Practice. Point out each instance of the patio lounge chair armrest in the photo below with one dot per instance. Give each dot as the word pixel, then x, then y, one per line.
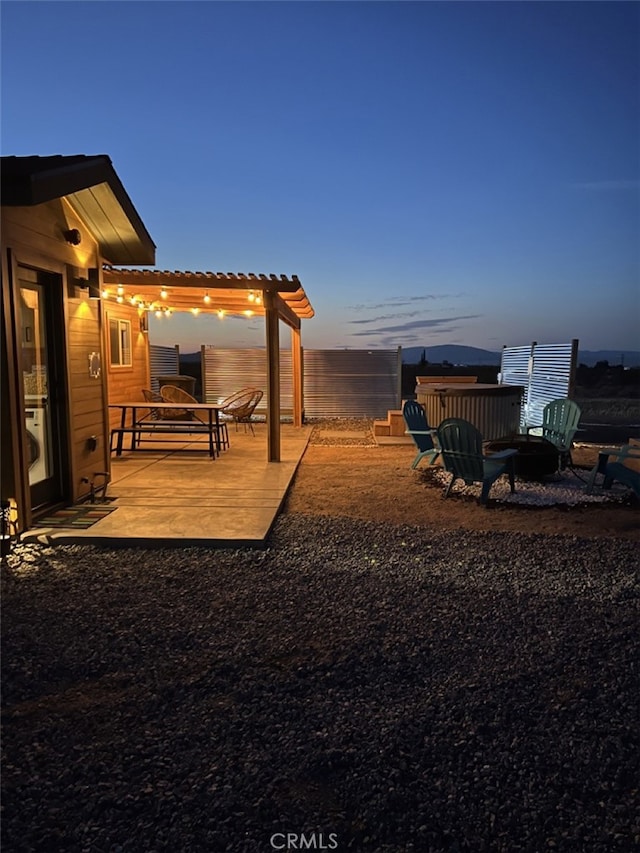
pixel 421 432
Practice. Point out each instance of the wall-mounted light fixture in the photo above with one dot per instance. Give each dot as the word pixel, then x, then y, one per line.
pixel 144 322
pixel 73 236
pixel 86 284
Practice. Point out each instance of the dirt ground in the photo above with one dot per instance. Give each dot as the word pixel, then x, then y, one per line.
pixel 377 483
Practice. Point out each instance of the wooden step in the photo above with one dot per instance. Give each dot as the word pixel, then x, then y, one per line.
pixel 381 427
pixel 397 425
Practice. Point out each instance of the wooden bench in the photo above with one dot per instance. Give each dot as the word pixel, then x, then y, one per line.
pixel 165 427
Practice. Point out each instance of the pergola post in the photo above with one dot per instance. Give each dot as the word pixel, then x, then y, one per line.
pixel 296 369
pixel 272 330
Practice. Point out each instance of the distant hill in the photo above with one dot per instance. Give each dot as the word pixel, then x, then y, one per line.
pixel 462 355
pixel 452 353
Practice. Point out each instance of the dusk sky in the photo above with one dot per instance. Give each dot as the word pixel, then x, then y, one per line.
pixel 433 172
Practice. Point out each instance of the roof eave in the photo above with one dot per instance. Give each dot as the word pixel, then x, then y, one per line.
pixel 96 193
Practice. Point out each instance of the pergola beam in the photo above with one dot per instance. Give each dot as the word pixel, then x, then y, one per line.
pixel 285 313
pixel 226 292
pixel 167 278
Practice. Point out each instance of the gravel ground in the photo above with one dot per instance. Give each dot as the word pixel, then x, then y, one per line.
pixel 375 688
pixel 333 432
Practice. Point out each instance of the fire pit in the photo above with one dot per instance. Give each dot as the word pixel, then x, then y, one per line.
pixel 537 458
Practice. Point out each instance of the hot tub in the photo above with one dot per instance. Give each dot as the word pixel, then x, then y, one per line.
pixel 493 409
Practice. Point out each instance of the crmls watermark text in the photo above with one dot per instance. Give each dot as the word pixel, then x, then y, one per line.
pixel 304 841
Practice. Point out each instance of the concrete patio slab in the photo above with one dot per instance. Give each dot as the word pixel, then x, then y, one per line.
pixel 175 495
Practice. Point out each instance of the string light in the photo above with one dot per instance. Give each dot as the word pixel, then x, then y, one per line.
pixel 136 300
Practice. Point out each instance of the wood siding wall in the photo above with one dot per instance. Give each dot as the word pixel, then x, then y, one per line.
pixel 126 383
pixel 35 237
pixel 86 397
pixel 39 231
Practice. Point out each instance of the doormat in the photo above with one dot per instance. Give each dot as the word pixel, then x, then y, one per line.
pixel 79 517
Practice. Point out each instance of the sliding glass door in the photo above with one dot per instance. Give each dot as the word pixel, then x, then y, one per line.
pixel 40 295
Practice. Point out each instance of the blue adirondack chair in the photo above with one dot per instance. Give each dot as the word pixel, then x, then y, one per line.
pixel 425 438
pixel 560 419
pixel 461 448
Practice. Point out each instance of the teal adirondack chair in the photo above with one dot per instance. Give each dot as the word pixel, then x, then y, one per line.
pixel 461 448
pixel 425 438
pixel 618 470
pixel 560 419
pixel 627 476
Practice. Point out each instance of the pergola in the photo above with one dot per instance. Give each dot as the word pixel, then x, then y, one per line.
pixel 273 297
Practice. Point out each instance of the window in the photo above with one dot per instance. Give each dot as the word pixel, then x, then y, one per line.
pixel 120 343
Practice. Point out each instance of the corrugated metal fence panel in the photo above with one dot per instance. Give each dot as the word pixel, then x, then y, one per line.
pixel 351 383
pixel 515 369
pixel 337 383
pixel 225 371
pixel 163 361
pixel 545 370
pixel 551 379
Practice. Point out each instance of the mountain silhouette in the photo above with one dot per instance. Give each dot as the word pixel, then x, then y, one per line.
pixel 463 355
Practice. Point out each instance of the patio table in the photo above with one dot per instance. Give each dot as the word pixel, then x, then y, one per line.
pixel 134 425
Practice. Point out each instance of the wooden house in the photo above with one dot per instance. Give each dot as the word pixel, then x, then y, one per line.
pixel 74 325
pixel 62 219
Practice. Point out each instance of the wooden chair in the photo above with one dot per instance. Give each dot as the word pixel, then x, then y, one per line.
pixel 425 438
pixel 462 456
